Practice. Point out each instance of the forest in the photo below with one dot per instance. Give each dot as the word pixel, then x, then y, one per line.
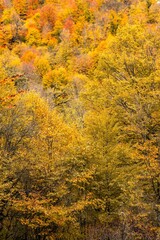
pixel 79 120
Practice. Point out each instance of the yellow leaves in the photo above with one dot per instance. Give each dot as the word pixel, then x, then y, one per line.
pixel 80 79
pixel 148 153
pixel 42 214
pixel 21 7
pixel 117 20
pixel 3 73
pixel 42 65
pixel 8 93
pixel 33 36
pixel 55 137
pixel 83 178
pixel 7 16
pixel 57 28
pixel 134 36
pixel 56 78
pixel 15 62
pixel 113 16
pixel 80 205
pixel 103 156
pixel 6 35
pixel 40 211
pixel 138 12
pixel 33 101
pixel 31 22
pixel 9 64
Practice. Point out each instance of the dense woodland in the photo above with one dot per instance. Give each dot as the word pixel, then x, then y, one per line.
pixel 80 120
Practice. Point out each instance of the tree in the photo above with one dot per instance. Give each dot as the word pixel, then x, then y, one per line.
pixel 134 85
pixel 50 179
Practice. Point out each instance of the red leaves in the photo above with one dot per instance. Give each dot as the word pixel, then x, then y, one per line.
pixel 69 24
pixel 48 16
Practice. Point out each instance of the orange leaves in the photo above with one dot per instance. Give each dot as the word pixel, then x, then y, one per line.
pixel 8 93
pixel 48 16
pixel 69 24
pixel 21 7
pixel 83 64
pixel 28 56
pixel 33 4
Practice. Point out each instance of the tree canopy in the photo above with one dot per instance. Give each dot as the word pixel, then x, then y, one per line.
pixel 79 120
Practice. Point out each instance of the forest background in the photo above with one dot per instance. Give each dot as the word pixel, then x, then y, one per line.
pixel 80 120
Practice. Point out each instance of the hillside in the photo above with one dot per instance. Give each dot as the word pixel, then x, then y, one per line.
pixel 79 120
